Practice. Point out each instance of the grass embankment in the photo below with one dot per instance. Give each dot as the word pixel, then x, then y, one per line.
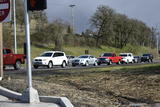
pixel 97 87
pixel 136 50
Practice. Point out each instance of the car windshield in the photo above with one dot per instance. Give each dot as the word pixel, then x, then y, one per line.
pixel 146 54
pixel 123 55
pixel 46 55
pixel 83 57
pixel 107 54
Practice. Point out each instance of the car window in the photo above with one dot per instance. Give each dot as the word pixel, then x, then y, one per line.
pixel 123 55
pixel 8 51
pixel 91 56
pixel 58 54
pixel 83 56
pixel 107 54
pixel 46 55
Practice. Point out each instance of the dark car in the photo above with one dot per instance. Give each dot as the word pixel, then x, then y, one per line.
pixel 147 58
pixel 137 59
pixel 102 60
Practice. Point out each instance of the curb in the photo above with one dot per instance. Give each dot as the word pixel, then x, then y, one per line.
pixel 62 101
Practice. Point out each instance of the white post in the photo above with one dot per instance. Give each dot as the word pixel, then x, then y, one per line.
pixel 1 52
pixel 14 15
pixel 30 95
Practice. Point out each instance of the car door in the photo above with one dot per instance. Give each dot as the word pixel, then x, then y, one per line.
pixel 8 57
pixel 92 59
pixel 55 59
pixel 58 58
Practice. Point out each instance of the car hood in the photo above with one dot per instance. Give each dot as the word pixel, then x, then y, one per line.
pixel 42 58
pixel 80 58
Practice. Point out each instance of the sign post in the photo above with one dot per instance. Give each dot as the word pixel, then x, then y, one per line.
pixel 5 16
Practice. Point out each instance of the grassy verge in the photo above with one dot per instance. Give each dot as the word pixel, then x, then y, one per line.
pixel 97 87
pixel 70 50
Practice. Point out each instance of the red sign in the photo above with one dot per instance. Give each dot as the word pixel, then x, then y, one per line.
pixel 4 10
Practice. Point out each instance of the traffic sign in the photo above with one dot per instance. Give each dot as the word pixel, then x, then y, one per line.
pixel 5 11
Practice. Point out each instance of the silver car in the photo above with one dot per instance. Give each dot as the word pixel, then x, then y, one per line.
pixel 85 60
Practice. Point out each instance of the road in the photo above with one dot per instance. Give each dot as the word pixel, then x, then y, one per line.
pixel 56 68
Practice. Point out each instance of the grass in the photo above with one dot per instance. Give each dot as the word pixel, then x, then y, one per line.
pixel 76 51
pixel 97 87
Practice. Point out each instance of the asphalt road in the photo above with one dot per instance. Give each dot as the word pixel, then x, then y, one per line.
pixel 10 69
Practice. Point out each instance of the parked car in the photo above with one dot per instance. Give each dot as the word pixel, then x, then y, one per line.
pixel 15 60
pixel 137 59
pixel 127 58
pixel 50 59
pixel 111 57
pixel 147 57
pixel 70 59
pixel 85 60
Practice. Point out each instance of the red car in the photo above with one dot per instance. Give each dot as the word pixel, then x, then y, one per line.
pixel 9 58
pixel 109 58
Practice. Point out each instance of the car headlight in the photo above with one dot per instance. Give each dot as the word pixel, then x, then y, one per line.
pixel 44 60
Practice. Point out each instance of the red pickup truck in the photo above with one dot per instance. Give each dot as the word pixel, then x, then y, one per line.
pixel 13 59
pixel 109 58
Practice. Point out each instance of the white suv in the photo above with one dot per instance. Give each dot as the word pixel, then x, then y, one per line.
pixel 127 57
pixel 50 58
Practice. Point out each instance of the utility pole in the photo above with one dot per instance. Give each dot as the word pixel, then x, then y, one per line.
pixel 15 35
pixel 72 15
pixel 1 52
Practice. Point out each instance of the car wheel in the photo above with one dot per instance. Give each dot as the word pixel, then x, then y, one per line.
pixel 99 63
pixel 95 64
pixel 17 65
pixel 50 65
pixel 73 65
pixel 64 64
pixel 87 64
pixel 35 66
pixel 119 62
pixel 110 62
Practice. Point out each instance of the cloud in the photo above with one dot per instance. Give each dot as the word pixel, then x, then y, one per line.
pixel 144 10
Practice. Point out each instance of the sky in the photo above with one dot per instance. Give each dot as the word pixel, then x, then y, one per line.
pixel 144 10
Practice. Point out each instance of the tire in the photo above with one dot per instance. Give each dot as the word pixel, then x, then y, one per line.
pixel 35 66
pixel 86 64
pixel 64 64
pixel 17 65
pixel 119 62
pixel 95 64
pixel 127 62
pixel 110 62
pixel 50 64
pixel 73 65
pixel 99 63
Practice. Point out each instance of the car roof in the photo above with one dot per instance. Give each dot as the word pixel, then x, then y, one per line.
pixel 52 51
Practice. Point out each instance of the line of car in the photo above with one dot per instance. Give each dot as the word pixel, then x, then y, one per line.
pixel 59 58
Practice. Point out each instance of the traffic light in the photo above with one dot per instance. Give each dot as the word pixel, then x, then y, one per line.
pixel 36 5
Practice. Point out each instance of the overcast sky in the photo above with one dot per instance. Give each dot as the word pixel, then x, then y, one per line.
pixel 147 11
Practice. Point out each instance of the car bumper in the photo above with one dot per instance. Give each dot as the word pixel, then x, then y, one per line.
pixel 40 63
pixel 78 63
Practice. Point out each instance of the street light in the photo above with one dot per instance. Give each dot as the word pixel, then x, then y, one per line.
pixel 72 6
pixel 14 15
